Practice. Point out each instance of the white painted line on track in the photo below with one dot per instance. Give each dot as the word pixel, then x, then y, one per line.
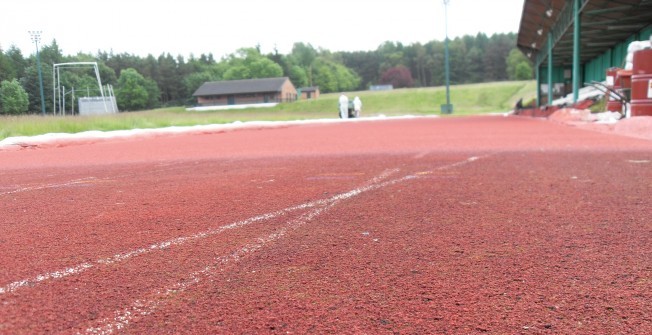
pixel 147 306
pixel 120 257
pixel 373 184
pixel 47 186
pixel 87 180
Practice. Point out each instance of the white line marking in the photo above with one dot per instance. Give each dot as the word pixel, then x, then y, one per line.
pixel 77 269
pixel 46 186
pixel 165 168
pixel 144 307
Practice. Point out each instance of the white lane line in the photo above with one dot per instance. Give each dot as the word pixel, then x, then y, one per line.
pixel 638 161
pixel 147 306
pixel 120 257
pixel 165 168
pixel 46 186
pixel 11 287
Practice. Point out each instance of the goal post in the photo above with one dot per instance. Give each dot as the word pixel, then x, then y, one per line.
pixel 98 105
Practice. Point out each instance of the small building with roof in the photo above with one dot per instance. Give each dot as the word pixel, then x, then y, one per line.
pixel 246 92
pixel 307 93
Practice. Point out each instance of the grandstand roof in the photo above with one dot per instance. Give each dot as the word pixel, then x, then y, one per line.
pixel 604 24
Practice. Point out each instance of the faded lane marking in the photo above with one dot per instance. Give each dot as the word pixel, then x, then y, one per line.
pixel 373 184
pixel 421 155
pixel 642 161
pixel 450 166
pixel 77 269
pixel 146 306
pixel 54 185
pixel 336 176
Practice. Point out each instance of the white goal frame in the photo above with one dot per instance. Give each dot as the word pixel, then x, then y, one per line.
pixel 57 93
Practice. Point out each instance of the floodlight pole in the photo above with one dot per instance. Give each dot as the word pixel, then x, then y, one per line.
pixel 447 108
pixel 36 37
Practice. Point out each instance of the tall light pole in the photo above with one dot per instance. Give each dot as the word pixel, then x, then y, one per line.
pixel 36 37
pixel 448 107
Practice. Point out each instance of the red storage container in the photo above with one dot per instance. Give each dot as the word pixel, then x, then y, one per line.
pixel 641 82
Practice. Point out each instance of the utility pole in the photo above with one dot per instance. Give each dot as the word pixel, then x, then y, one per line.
pixel 448 107
pixel 36 37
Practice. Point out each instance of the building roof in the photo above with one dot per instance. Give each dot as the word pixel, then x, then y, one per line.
pixel 604 24
pixel 243 86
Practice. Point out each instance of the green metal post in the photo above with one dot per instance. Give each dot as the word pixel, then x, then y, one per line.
pixel 448 107
pixel 40 80
pixel 550 69
pixel 448 75
pixel 576 50
pixel 36 37
pixel 537 73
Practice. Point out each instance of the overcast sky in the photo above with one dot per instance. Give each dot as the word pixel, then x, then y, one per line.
pixel 221 27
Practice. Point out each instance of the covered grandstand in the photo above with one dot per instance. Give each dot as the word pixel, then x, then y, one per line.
pixel 574 42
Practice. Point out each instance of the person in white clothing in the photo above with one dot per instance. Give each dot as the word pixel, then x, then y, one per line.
pixel 357 106
pixel 344 107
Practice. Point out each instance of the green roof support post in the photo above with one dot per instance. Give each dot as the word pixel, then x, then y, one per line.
pixel 537 73
pixel 576 50
pixel 549 69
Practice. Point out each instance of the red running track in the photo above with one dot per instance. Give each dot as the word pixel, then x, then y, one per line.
pixel 475 225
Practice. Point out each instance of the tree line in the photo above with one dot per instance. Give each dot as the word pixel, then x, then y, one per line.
pixel 167 80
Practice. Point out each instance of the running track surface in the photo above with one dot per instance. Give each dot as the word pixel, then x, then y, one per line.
pixel 475 225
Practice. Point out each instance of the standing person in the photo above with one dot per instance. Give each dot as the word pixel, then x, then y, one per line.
pixel 357 106
pixel 344 107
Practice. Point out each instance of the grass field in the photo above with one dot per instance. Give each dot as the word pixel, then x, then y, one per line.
pixel 467 100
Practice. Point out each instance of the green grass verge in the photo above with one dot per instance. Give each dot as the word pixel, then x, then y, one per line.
pixel 467 100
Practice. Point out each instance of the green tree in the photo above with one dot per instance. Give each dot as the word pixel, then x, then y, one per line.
pixel 202 73
pixel 265 68
pixel 169 81
pixel 285 64
pixel 30 82
pixel 18 61
pixel 248 63
pixel 458 61
pixel 304 55
pixel 391 54
pixel 298 76
pixel 474 69
pixel 131 93
pixel 194 80
pixel 416 58
pixel 435 65
pixel 518 66
pixel 366 64
pixel 153 93
pixel 13 98
pixel 7 69
pixel 237 72
pixel 496 53
pixel 523 71
pixel 333 77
